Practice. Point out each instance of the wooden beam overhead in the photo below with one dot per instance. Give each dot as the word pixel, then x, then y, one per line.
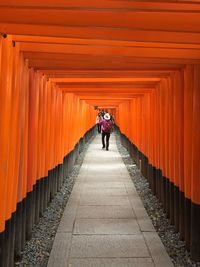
pixel 103 73
pixel 118 85
pixel 136 5
pixel 81 41
pixel 104 90
pixel 93 32
pixel 188 21
pixel 104 80
pixel 105 52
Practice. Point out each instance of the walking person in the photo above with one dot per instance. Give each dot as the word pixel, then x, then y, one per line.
pixel 98 119
pixel 106 128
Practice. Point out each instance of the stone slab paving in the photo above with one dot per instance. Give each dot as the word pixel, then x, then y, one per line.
pixel 105 223
pixel 106 226
pixel 115 262
pixel 105 212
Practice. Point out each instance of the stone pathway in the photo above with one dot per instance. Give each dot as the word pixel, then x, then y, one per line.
pixel 105 223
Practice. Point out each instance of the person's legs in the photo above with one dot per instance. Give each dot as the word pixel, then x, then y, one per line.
pixel 107 140
pixel 103 139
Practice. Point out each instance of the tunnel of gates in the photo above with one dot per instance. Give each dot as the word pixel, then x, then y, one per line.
pixel 41 126
pixel 138 60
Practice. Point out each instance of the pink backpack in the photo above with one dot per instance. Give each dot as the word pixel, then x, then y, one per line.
pixel 107 126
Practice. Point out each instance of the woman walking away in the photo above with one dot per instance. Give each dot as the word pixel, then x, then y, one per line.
pixel 106 127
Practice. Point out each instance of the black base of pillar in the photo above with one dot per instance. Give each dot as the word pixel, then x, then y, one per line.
pixel 187 218
pixel 195 232
pixel 37 202
pixel 18 231
pixel 163 191
pixel 29 214
pixel 181 215
pixel 171 198
pixel 158 183
pixel 167 209
pixel 176 207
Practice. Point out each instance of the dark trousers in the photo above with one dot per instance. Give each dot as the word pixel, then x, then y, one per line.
pixel 99 128
pixel 107 135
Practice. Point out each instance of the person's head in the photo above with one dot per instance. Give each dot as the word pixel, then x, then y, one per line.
pixel 107 116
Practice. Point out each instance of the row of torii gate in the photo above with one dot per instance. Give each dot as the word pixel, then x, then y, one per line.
pixel 138 59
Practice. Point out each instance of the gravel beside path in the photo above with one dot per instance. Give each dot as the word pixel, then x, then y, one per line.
pixel 37 250
pixel 171 240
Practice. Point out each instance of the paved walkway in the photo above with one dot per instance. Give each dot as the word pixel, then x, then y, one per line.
pixel 104 223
